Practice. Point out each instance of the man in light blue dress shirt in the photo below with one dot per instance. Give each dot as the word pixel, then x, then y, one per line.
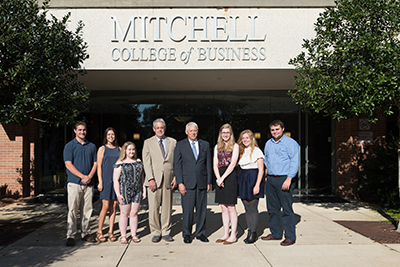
pixel 282 163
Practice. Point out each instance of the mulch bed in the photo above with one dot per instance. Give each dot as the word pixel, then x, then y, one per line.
pixel 382 232
pixel 11 232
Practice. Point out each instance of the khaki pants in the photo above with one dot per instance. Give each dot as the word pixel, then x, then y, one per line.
pixel 161 197
pixel 79 197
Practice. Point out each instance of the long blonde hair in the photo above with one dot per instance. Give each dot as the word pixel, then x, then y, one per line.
pixel 122 155
pixel 231 141
pixel 253 142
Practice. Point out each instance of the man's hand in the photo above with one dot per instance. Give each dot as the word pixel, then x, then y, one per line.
pixel 173 184
pixel 152 185
pixel 86 179
pixel 208 187
pixel 182 189
pixel 286 184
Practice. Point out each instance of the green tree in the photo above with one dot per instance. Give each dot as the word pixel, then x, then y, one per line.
pixel 39 65
pixel 352 65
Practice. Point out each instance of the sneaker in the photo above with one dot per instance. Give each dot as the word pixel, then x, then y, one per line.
pixel 70 242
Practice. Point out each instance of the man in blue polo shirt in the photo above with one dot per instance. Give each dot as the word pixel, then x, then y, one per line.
pixel 282 162
pixel 80 161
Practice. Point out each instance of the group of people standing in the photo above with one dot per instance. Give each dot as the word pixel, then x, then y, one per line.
pixel 188 165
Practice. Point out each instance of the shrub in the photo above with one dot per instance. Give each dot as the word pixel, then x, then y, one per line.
pixel 378 182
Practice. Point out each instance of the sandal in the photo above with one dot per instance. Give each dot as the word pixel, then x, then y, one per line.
pixel 123 240
pixel 136 239
pixel 100 237
pixel 112 237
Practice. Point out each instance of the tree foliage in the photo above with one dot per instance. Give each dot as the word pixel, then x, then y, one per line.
pixel 39 65
pixel 352 66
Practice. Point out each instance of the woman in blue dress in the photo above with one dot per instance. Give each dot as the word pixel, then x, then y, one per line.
pixel 106 157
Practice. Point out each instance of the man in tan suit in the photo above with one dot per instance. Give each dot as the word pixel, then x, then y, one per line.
pixel 158 159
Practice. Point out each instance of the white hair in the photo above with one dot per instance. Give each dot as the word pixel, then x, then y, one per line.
pixel 158 120
pixel 191 124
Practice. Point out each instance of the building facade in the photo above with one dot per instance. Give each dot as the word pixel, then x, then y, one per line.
pixel 212 62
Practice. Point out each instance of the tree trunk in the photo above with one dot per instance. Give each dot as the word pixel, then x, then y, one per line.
pixel 398 162
pixel 398 154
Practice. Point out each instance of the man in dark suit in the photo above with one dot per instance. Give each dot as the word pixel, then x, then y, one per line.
pixel 193 172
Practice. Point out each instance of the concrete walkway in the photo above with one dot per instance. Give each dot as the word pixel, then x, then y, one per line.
pixel 320 241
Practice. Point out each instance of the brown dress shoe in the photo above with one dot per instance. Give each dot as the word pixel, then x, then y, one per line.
pixel 287 242
pixel 269 237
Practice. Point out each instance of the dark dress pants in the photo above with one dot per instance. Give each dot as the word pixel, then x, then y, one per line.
pixel 277 199
pixel 194 198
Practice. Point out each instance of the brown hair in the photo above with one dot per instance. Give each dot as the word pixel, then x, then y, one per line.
pixel 77 123
pixel 253 142
pixel 276 123
pixel 122 155
pixel 231 141
pixel 115 142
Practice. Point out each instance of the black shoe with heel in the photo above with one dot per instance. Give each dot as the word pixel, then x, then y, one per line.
pixel 247 238
pixel 251 239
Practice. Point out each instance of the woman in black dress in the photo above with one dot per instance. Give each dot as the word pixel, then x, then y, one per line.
pixel 226 154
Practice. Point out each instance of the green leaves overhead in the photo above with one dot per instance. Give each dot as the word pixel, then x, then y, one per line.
pixel 39 65
pixel 352 66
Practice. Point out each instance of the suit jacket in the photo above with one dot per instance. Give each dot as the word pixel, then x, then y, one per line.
pixel 188 170
pixel 155 166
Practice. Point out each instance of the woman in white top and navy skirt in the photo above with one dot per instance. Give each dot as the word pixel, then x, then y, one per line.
pixel 250 180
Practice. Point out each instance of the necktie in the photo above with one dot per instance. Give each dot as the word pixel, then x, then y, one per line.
pixel 194 150
pixel 162 148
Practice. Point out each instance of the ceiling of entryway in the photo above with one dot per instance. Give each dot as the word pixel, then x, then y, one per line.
pixel 188 80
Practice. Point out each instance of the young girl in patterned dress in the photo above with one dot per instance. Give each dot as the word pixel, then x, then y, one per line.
pixel 129 188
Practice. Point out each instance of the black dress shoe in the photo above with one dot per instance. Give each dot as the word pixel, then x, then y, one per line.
pixel 202 238
pixel 70 242
pixel 156 239
pixel 168 238
pixel 187 239
pixel 89 238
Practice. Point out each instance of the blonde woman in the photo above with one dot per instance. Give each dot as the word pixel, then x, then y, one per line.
pixel 106 157
pixel 226 154
pixel 129 188
pixel 250 180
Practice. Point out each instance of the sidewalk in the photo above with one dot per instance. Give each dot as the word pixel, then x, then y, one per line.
pixel 320 242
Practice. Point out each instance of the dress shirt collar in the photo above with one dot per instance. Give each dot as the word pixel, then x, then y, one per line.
pixel 158 139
